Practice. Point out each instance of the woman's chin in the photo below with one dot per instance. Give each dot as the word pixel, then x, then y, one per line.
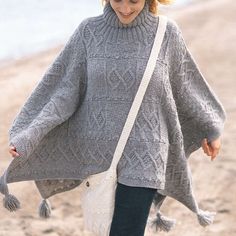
pixel 126 21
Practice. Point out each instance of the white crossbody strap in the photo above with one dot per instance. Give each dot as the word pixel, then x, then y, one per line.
pixel 140 93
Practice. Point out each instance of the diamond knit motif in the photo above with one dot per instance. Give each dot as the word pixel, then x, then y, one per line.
pixel 97 119
pixel 124 80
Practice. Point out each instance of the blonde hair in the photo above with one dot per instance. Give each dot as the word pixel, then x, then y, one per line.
pixel 153 4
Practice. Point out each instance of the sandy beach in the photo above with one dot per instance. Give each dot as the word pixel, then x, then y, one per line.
pixel 209 29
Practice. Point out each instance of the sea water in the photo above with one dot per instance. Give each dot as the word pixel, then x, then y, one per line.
pixel 30 26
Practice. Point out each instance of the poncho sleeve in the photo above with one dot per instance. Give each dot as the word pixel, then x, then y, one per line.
pixel 200 112
pixel 54 99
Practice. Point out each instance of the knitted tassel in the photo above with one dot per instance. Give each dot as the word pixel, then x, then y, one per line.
pixel 45 209
pixel 10 202
pixel 162 223
pixel 205 217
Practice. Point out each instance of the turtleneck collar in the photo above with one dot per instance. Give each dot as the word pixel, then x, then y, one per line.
pixel 142 28
pixel 112 19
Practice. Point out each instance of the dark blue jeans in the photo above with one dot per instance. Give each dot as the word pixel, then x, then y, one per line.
pixel 132 206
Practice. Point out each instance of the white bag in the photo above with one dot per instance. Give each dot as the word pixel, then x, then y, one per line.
pixel 98 191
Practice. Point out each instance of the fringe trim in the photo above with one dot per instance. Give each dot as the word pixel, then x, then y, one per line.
pixel 45 209
pixel 205 218
pixel 162 223
pixel 10 202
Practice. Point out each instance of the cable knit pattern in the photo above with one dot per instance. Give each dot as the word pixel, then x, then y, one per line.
pixel 70 124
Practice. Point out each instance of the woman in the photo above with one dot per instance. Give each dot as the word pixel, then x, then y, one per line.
pixel 70 125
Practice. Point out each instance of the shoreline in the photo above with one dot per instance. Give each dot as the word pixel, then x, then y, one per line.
pixel 165 9
pixel 25 58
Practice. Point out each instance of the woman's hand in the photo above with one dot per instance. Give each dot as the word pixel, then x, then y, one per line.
pixel 211 148
pixel 13 151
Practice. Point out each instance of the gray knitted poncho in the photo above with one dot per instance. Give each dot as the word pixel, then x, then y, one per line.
pixel 70 125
